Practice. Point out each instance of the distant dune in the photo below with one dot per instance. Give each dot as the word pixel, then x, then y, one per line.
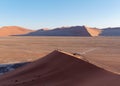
pixel 67 31
pixel 111 32
pixel 13 30
pixel 60 69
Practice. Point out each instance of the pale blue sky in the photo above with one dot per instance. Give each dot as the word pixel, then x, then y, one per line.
pixel 36 14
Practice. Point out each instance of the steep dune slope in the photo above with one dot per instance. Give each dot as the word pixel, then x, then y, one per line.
pixel 13 30
pixel 60 69
pixel 93 31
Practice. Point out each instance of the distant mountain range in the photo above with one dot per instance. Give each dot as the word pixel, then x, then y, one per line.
pixel 62 31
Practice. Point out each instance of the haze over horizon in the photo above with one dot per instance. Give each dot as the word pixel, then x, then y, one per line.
pixel 36 14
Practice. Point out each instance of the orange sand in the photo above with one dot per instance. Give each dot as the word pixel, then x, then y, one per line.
pixel 13 30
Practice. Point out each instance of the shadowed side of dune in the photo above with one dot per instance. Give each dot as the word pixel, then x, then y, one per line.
pixel 111 31
pixel 60 69
pixel 63 31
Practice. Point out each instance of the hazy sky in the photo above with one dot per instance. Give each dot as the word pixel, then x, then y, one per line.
pixel 36 14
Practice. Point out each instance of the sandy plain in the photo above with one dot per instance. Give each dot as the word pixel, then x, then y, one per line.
pixel 102 51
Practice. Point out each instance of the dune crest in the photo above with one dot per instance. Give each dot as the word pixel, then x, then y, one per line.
pixel 60 69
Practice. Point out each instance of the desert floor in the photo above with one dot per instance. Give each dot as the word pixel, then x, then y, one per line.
pixel 102 51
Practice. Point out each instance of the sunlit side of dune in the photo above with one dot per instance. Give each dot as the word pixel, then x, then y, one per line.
pixel 13 30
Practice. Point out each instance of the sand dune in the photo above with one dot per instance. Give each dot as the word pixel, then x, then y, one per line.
pixel 60 69
pixel 13 30
pixel 67 31
pixel 110 32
